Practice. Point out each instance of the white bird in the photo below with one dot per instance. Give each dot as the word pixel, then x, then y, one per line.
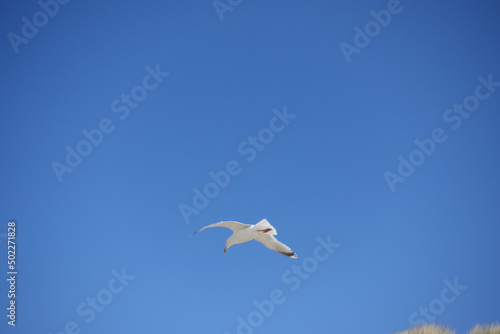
pixel 263 232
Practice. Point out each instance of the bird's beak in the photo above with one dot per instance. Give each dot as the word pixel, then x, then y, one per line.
pixel 225 249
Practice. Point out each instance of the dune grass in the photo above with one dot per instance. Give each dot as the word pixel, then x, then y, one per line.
pixel 486 329
pixel 428 329
pixel 436 329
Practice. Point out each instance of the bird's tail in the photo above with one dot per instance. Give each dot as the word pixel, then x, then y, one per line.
pixel 266 227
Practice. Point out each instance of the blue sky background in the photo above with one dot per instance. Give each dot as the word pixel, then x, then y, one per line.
pixel 323 175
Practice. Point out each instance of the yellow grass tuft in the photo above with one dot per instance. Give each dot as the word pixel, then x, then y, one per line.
pixel 435 329
pixel 428 329
pixel 486 329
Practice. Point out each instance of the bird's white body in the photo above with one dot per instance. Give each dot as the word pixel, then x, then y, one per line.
pixel 242 236
pixel 263 232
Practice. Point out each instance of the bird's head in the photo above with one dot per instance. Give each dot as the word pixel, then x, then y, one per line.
pixel 228 244
pixel 232 240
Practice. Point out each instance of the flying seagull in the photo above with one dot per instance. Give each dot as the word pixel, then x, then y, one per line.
pixel 263 232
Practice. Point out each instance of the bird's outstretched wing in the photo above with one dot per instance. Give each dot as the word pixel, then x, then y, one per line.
pixel 270 242
pixel 234 226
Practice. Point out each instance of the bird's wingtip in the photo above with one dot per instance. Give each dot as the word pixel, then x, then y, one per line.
pixel 292 254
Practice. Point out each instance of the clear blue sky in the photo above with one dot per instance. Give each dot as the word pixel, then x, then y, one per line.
pixel 312 117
